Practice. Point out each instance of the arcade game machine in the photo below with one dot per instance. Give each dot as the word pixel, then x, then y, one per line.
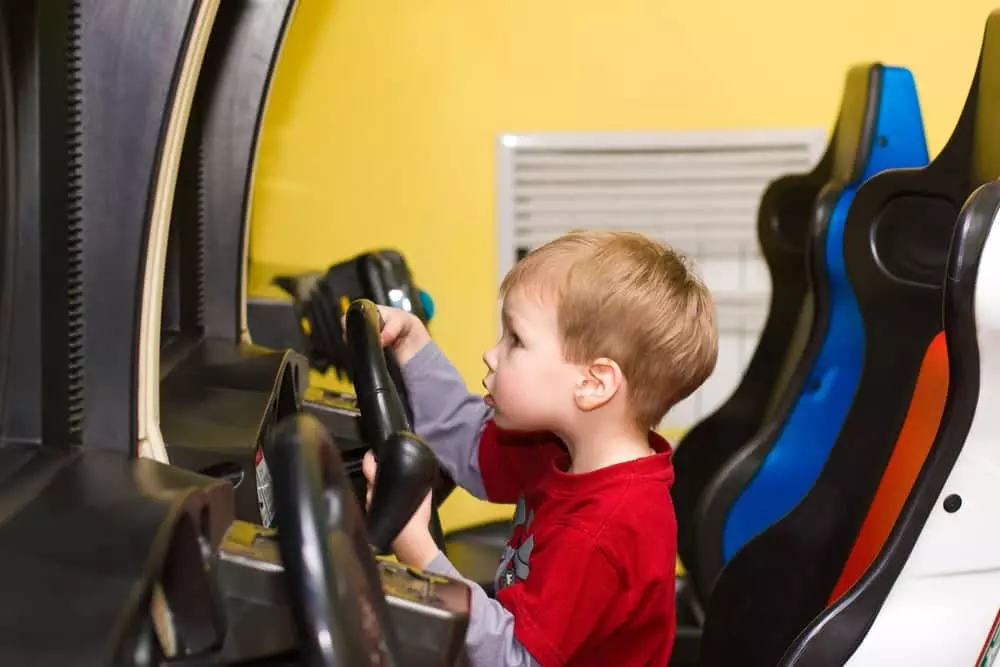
pixel 218 393
pixel 274 595
pixel 110 556
pixel 320 302
pixel 94 543
pixel 211 371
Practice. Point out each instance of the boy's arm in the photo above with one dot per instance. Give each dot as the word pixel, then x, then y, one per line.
pixel 490 638
pixel 447 416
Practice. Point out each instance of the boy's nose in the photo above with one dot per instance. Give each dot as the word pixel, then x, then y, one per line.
pixel 489 358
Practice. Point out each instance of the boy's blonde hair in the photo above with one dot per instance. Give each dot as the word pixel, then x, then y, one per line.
pixel 626 297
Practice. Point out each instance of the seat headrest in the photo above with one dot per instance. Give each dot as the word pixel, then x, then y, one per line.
pixel 986 141
pixel 971 157
pixel 856 122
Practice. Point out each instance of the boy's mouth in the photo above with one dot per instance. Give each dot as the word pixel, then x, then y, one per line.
pixel 488 398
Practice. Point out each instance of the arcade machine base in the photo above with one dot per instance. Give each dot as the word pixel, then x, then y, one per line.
pixel 430 612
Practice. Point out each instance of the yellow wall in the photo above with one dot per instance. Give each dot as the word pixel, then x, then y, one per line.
pixel 383 117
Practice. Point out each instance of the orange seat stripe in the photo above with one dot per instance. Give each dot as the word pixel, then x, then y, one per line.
pixel 915 439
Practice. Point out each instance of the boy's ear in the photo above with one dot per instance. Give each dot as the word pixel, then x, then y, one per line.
pixel 598 384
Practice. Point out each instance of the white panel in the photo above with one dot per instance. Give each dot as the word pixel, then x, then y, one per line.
pixel 696 191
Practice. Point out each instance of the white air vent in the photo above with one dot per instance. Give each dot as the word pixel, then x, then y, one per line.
pixel 697 191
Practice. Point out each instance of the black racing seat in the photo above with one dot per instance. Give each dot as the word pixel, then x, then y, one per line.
pixel 879 127
pixel 863 624
pixel 802 331
pixel 784 217
pixel 876 103
pixel 896 248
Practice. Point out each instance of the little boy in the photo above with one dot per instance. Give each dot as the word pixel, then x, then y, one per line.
pixel 603 332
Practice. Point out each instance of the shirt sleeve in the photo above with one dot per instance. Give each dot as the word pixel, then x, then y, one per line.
pixel 571 585
pixel 446 415
pixel 490 639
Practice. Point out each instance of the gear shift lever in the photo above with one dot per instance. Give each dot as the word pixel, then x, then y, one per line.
pixel 407 467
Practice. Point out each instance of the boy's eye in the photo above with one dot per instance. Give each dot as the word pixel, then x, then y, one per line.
pixel 514 340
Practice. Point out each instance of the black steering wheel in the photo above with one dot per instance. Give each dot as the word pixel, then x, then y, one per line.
pixel 384 418
pixel 339 608
pixel 337 600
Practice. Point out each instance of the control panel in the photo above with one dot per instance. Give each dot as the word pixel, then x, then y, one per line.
pixel 430 613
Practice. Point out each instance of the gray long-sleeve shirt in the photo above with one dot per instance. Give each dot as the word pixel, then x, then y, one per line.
pixel 451 419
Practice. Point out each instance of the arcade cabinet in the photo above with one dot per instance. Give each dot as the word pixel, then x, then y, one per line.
pixel 220 393
pixel 94 544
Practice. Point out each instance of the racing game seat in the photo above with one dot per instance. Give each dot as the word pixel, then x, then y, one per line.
pixel 783 219
pixel 936 576
pixel 936 579
pixel 896 245
pixel 881 129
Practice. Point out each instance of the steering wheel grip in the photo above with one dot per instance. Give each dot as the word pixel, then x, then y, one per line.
pixel 382 410
pixel 336 599
pixel 407 467
pixel 406 473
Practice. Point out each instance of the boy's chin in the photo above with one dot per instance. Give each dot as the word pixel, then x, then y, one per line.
pixel 507 423
pixel 503 421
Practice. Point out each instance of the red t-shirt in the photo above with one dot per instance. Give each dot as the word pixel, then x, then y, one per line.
pixel 588 572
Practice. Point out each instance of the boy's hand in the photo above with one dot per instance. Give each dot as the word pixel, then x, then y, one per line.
pixel 414 544
pixel 402 332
